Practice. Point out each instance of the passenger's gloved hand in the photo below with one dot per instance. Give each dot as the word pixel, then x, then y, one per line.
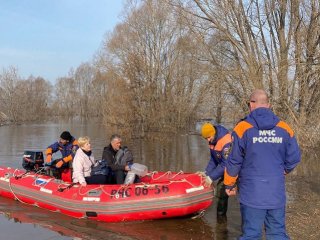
pixel 59 163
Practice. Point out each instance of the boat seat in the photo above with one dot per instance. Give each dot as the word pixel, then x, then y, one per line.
pixel 66 175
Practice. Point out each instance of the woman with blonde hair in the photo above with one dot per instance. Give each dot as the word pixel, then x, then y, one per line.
pixel 83 163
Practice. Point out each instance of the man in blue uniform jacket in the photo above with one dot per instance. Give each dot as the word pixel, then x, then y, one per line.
pixel 219 140
pixel 264 150
pixel 67 145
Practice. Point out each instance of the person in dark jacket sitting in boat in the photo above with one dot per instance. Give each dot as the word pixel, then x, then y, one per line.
pixel 116 161
pixel 67 145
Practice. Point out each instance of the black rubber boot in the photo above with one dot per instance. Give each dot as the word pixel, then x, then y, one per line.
pixel 222 204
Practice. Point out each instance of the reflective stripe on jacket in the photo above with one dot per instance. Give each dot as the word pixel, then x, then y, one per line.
pixel 219 150
pixel 67 151
pixel 263 149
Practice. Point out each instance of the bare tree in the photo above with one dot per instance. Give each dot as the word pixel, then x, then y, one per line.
pixel 84 77
pixel 23 100
pixel 263 44
pixel 8 81
pixel 34 97
pixel 81 93
pixel 155 56
pixel 66 101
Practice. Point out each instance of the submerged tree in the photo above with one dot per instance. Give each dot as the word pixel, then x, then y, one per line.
pixel 152 58
pixel 9 80
pixel 263 44
pixel 80 94
pixel 23 100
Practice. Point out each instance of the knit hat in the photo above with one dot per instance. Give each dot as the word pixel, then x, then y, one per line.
pixel 66 136
pixel 208 130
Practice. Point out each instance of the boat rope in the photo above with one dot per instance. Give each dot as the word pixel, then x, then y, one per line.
pixel 27 173
pixel 199 215
pixel 182 180
pixel 126 186
pixel 145 185
pixel 178 173
pixel 101 187
pixel 24 175
pixel 63 185
pixel 61 189
pixel 10 187
pixel 21 175
pixel 169 173
pixel 203 177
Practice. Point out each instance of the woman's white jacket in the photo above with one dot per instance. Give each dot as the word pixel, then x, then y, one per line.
pixel 82 166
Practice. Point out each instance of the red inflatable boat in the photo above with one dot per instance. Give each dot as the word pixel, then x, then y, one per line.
pixel 159 195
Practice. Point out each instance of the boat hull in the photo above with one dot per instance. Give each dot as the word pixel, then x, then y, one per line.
pixel 158 195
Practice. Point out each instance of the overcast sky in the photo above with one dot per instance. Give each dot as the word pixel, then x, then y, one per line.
pixel 47 37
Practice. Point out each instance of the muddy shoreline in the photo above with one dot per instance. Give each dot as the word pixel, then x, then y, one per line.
pixel 303 209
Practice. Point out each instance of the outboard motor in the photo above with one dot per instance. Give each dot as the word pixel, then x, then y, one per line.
pixel 32 160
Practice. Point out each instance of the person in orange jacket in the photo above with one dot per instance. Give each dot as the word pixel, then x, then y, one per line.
pixel 219 140
pixel 67 145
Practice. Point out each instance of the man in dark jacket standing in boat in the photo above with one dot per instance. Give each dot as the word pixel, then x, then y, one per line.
pixel 118 170
pixel 264 150
pixel 219 140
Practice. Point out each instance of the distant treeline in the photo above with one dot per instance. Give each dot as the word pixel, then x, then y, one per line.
pixel 186 60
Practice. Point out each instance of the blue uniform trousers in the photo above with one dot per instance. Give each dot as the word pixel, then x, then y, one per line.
pixel 253 220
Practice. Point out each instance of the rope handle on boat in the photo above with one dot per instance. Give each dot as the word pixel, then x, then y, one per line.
pixel 20 176
pixel 39 171
pixel 61 189
pixel 169 173
pixel 11 190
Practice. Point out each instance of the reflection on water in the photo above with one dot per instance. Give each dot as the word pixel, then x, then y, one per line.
pixel 39 223
pixel 188 153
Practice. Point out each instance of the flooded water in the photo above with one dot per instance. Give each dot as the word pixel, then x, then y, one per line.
pixel 186 152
